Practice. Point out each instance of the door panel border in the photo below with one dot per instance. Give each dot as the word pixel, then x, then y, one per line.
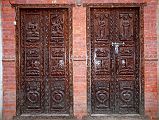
pixel 18 8
pixel 141 38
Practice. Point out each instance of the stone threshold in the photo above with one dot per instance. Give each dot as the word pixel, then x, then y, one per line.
pixel 117 117
pixel 92 117
pixel 43 118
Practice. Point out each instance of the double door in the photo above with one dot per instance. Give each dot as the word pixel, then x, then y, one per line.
pixel 44 81
pixel 115 60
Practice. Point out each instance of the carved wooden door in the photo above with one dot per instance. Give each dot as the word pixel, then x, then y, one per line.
pixel 115 60
pixel 44 61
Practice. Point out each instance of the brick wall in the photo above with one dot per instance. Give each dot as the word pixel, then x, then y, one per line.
pixel 150 53
pixel 79 53
pixel 0 66
pixel 158 55
pixel 9 81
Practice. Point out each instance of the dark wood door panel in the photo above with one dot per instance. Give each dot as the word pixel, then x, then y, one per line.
pixel 114 60
pixel 44 61
pixel 32 62
pixel 102 97
pixel 58 51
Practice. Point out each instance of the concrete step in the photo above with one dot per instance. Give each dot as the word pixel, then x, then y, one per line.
pixel 41 118
pixel 117 118
pixel 86 118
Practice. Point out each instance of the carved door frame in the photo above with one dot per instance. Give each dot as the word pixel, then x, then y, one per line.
pixel 140 6
pixel 18 8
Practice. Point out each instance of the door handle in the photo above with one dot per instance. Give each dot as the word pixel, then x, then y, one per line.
pixel 117 46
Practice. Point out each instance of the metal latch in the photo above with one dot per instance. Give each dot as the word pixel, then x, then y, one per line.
pixel 117 46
